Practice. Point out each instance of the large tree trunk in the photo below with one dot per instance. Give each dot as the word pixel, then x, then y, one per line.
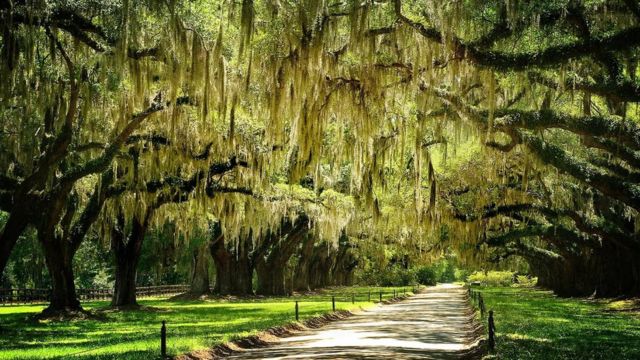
pixel 271 265
pixel 126 250
pixel 344 263
pixel 320 266
pixel 59 259
pixel 233 268
pixel 200 276
pixel 59 250
pixel 271 278
pixel 124 294
pixel 301 272
pixel 61 246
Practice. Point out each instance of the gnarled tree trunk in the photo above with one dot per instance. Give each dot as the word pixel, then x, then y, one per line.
pixel 271 277
pixel 59 259
pixel 301 272
pixel 200 275
pixel 126 249
pixel 320 266
pixel 233 267
pixel 345 262
pixel 271 266
pixel 59 250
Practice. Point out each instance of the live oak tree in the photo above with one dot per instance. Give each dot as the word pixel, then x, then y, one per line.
pixel 513 124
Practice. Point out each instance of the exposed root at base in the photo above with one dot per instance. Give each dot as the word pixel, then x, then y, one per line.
pixel 67 314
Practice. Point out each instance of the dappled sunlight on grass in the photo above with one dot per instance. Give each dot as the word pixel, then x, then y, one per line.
pixel 624 305
pixel 136 334
pixel 516 336
pixel 535 324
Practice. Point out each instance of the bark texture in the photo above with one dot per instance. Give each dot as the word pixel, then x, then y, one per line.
pixel 234 271
pixel 200 272
pixel 271 265
pixel 127 248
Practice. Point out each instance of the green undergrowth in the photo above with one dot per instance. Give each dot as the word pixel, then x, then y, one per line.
pixel 136 334
pixel 535 324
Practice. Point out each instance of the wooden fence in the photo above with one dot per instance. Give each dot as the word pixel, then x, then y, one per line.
pixel 34 296
pixel 477 301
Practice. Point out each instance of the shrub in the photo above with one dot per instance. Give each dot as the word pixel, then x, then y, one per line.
pixel 493 278
pixel 389 276
pixel 526 281
pixel 426 275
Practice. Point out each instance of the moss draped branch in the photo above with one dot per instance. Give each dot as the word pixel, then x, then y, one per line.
pixel 100 163
pixel 78 27
pixel 620 40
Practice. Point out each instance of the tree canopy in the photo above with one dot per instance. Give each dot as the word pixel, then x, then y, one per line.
pixel 490 128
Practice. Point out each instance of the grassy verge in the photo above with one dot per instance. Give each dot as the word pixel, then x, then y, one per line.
pixel 135 334
pixel 534 324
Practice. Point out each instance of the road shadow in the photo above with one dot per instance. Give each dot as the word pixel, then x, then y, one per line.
pixel 435 324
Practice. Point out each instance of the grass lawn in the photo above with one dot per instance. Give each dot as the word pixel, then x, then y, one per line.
pixel 136 334
pixel 534 324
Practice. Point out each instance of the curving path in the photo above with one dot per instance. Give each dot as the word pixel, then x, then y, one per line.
pixel 434 324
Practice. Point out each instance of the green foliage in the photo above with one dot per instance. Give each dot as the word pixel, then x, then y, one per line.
pixel 426 275
pixel 535 325
pixel 162 260
pixel 394 275
pixel 92 266
pixel 442 271
pixel 398 274
pixel 501 278
pixel 446 271
pixel 26 267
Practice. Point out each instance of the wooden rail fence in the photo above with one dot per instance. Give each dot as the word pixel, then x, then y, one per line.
pixel 33 296
pixel 477 300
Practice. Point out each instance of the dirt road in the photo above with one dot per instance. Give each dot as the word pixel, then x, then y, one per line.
pixel 434 324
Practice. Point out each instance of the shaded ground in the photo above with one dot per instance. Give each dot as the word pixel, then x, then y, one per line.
pixel 435 324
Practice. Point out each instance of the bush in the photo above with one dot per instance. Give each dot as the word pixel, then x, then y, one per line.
pixel 397 276
pixel 426 275
pixel 493 278
pixel 389 276
pixel 526 281
pixel 501 278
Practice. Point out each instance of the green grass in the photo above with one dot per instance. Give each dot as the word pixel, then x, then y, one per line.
pixel 136 334
pixel 534 324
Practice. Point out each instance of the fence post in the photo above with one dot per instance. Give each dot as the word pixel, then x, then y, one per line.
pixel 481 304
pixel 163 339
pixel 297 314
pixel 380 296
pixel 492 332
pixel 369 296
pixel 333 302
pixel 394 293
